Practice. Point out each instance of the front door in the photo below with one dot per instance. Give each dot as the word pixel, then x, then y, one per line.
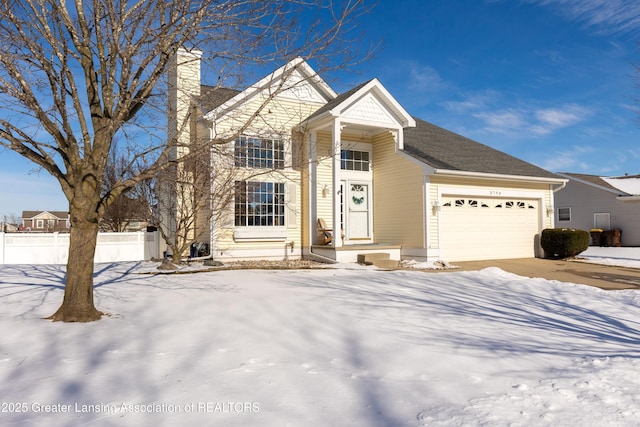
pixel 358 212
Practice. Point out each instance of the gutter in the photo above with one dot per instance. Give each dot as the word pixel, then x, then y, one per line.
pixel 499 177
pixel 591 184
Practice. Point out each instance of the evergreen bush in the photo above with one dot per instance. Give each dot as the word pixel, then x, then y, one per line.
pixel 563 242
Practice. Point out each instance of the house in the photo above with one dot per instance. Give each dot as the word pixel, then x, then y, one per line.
pixel 45 221
pixel 606 203
pixel 359 165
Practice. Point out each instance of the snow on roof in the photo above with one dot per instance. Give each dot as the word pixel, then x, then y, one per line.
pixel 628 184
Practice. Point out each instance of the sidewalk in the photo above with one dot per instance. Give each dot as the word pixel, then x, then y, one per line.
pixel 601 276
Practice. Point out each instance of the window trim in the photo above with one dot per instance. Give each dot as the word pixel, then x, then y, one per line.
pixel 276 210
pixel 271 153
pixel 560 214
pixel 349 156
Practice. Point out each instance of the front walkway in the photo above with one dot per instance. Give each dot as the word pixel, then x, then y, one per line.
pixel 601 276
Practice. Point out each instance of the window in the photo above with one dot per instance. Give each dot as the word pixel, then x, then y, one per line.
pixel 259 153
pixel 564 214
pixel 353 160
pixel 39 223
pixel 259 204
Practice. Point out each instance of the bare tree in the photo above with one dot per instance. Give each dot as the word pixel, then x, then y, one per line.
pixel 130 206
pixel 75 76
pixel 185 202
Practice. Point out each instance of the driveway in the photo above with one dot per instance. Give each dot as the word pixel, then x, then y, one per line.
pixel 601 276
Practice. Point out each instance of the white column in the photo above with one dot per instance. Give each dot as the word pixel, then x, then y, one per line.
pixel 312 185
pixel 337 145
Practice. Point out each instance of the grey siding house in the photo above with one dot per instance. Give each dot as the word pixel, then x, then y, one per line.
pixel 607 203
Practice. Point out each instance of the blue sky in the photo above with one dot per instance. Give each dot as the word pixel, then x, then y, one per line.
pixel 549 81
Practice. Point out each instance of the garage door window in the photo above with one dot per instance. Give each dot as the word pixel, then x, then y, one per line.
pixel 472 203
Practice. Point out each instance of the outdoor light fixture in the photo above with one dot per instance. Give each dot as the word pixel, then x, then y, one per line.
pixel 435 206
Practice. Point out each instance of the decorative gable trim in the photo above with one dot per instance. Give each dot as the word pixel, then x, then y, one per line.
pixel 374 93
pixel 369 108
pixel 369 105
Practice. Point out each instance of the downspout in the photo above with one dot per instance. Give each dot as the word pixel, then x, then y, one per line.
pixel 322 257
pixel 564 184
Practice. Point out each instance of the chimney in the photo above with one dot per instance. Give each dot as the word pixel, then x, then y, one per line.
pixel 183 87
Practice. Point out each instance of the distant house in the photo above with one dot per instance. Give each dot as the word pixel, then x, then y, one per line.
pixel 338 175
pixel 8 227
pixel 607 203
pixel 45 221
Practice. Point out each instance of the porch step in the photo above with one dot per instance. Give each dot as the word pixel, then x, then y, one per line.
pixel 379 259
pixel 367 259
pixel 386 263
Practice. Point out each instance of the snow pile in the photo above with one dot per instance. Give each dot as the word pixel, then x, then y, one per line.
pixel 426 265
pixel 321 347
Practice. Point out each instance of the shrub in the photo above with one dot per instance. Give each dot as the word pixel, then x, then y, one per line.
pixel 563 242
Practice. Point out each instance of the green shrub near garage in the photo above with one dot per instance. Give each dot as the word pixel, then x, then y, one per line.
pixel 563 242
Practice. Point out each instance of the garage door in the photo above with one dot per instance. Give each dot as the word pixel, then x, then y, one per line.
pixel 487 228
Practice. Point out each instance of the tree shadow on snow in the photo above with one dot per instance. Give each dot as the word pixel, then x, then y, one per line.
pixel 499 314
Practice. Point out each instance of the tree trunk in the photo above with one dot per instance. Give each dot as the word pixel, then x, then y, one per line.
pixel 77 305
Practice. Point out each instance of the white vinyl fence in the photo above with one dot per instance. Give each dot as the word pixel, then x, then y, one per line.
pixel 53 248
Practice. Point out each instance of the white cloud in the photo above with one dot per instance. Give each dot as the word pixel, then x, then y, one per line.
pixel 503 121
pixel 473 101
pixel 607 16
pixel 565 161
pixel 531 121
pixel 567 115
pixel 425 79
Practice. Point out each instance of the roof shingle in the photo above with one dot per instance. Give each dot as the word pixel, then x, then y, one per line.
pixel 443 149
pixel 214 96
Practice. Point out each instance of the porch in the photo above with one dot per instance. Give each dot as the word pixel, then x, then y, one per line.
pixel 349 253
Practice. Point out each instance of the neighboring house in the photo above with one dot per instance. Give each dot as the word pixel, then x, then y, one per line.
pixel 607 203
pixel 45 221
pixel 7 227
pixel 125 226
pixel 382 179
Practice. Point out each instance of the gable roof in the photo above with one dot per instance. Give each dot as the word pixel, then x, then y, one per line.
pixel 628 185
pixel 443 149
pixel 33 214
pixel 341 105
pixel 337 101
pixel 292 74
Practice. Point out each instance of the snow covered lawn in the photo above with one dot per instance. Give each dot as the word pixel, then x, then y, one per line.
pixel 623 257
pixel 330 347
